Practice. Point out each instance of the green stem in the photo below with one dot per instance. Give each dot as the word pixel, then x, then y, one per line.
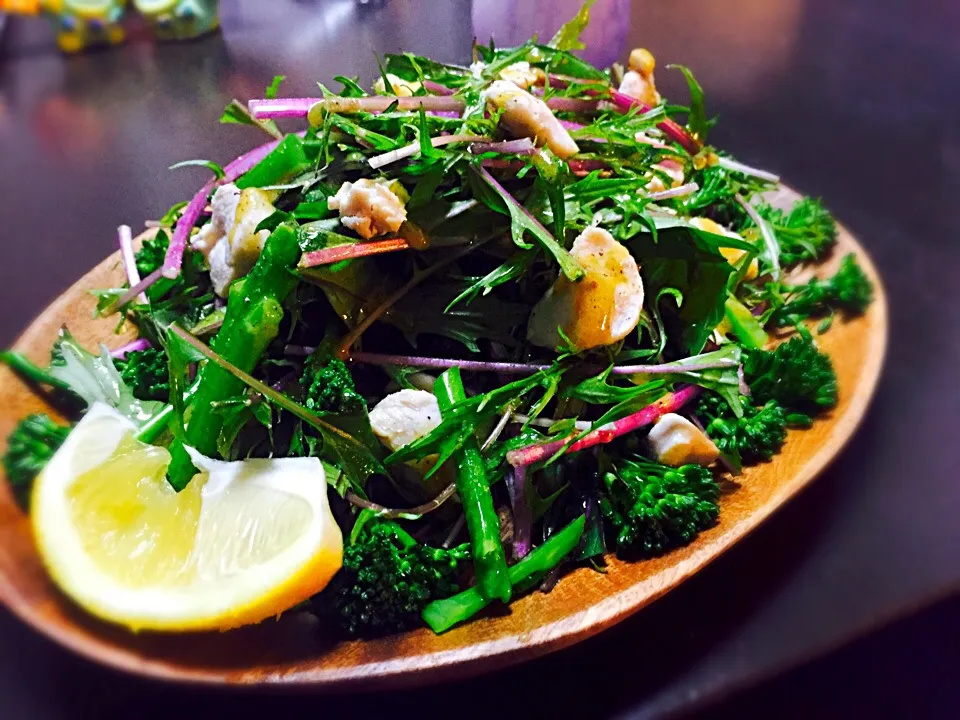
pixel 441 615
pixel 158 422
pixel 28 370
pixel 489 560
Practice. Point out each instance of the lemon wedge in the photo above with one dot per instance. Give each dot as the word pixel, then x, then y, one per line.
pixel 243 542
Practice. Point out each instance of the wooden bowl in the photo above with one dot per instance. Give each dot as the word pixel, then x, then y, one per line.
pixel 294 651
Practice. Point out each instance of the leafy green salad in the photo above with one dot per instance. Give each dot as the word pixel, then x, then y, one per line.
pixel 522 311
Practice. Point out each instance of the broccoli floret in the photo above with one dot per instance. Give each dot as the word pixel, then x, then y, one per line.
pixel 755 437
pixel 29 448
pixel 653 508
pixel 152 253
pixel 388 578
pixel 849 290
pixel 329 388
pixel 805 234
pixel 146 373
pixel 796 375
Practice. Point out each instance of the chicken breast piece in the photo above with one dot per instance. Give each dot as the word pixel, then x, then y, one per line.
pixel 732 255
pixel 527 116
pixel 230 240
pixel 676 441
pixel 405 416
pixel 638 82
pixel 369 208
pixel 602 308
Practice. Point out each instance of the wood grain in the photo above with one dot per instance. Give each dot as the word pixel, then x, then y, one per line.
pixel 294 651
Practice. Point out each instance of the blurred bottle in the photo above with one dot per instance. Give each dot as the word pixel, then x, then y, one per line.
pixel 180 19
pixel 81 24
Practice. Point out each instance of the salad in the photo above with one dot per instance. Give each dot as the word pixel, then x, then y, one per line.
pixel 451 338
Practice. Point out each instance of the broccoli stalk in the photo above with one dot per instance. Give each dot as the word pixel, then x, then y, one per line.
pixel 146 373
pixel 30 446
pixel 388 578
pixel 795 374
pixel 849 290
pixel 441 615
pixel 653 508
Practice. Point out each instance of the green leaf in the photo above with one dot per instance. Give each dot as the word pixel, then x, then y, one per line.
pixel 94 378
pixel 697 118
pixel 271 92
pixel 568 36
pixel 285 161
pixel 510 269
pixel 522 222
pixel 686 262
pixel 237 113
pixel 208 164
pixel 598 391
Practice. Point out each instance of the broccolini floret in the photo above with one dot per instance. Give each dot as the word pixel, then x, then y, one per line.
pixel 848 290
pixel 146 373
pixel 795 374
pixel 152 253
pixel 755 437
pixel 388 578
pixel 805 233
pixel 30 446
pixel 653 508
pixel 329 388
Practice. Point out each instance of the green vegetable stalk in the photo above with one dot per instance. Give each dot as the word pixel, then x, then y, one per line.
pixel 441 615
pixel 26 369
pixel 489 560
pixel 251 323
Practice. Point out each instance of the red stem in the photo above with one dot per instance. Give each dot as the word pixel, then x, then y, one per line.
pixel 671 402
pixel 330 255
pixel 670 127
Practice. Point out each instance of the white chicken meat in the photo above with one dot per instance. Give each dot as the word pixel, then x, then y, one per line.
pixel 368 207
pixel 676 441
pixel 230 240
pixel 404 416
pixel 527 116
pixel 600 309
pixel 638 82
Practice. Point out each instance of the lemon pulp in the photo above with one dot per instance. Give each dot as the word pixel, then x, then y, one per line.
pixel 138 530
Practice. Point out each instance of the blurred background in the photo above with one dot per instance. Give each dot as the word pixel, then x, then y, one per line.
pixel 846 600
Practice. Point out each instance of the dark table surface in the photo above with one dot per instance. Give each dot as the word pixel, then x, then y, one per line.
pixel 853 101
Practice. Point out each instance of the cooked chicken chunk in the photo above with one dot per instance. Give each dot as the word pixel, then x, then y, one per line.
pixel 638 82
pixel 404 416
pixel 677 441
pixel 527 116
pixel 230 240
pixel 368 207
pixel 600 309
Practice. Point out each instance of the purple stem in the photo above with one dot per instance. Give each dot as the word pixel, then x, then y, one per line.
pixel 522 516
pixel 437 89
pixel 134 346
pixel 443 363
pixel 523 146
pixel 510 368
pixel 270 108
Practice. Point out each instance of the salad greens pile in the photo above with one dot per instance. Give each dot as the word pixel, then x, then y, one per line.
pixel 389 257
